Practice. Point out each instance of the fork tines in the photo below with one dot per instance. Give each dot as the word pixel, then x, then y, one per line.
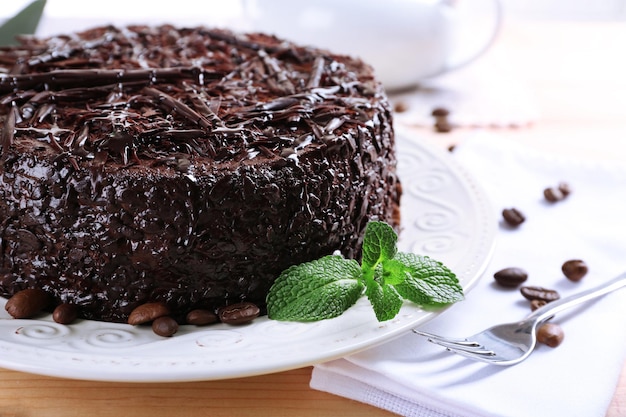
pixel 463 347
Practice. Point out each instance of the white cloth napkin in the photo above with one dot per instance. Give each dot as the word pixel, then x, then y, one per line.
pixel 412 377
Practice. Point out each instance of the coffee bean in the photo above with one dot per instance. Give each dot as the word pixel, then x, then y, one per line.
pixel 513 216
pixel 553 194
pixel 165 326
pixel 147 312
pixel 400 107
pixel 565 189
pixel 440 112
pixel 200 317
pixel 510 277
pixel 535 304
pixel 239 313
pixel 550 334
pixel 575 269
pixel 539 293
pixel 65 313
pixel 26 303
pixel 443 126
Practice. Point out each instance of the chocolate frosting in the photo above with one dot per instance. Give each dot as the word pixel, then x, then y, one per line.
pixel 189 166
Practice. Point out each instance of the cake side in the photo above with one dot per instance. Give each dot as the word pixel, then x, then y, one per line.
pixel 192 172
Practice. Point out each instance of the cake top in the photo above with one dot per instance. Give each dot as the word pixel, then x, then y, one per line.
pixel 138 94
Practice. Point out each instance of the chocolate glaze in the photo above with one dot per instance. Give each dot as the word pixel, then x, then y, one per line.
pixel 189 166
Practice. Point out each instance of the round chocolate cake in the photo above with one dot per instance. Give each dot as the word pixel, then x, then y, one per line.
pixel 183 166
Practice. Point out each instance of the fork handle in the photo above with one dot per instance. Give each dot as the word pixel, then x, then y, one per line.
pixel 556 306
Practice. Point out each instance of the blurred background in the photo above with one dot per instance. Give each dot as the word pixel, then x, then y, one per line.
pixel 220 10
pixel 566 9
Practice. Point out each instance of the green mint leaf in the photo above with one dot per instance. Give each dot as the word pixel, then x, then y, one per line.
pixel 327 287
pixel 24 22
pixel 379 244
pixel 315 290
pixel 428 282
pixel 393 272
pixel 385 300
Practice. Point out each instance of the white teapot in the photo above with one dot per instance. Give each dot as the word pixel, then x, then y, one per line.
pixel 404 40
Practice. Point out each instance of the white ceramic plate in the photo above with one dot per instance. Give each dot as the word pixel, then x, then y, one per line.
pixel 445 215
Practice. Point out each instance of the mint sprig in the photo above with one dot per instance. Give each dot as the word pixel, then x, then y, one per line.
pixel 316 290
pixel 327 287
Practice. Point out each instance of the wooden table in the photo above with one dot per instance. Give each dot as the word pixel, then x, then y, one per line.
pixel 576 72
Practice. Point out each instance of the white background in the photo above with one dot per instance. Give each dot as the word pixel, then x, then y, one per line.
pixel 219 9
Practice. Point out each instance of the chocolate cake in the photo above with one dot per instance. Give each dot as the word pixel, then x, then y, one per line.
pixel 183 166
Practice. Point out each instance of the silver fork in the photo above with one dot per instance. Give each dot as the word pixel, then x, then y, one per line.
pixel 508 344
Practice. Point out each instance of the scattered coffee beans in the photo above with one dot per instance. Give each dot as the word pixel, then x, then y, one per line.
pixel 147 312
pixel 510 277
pixel 440 112
pixel 565 189
pixel 550 334
pixel 200 317
pixel 400 107
pixel 513 217
pixel 165 326
pixel 553 194
pixel 575 269
pixel 535 304
pixel 65 313
pixel 539 293
pixel 239 313
pixel 26 303
pixel 558 193
pixel 442 124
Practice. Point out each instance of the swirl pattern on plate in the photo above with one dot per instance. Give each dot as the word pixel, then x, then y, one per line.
pixel 444 215
pixel 38 332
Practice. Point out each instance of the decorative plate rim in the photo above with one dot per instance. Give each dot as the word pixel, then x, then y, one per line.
pixel 445 214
